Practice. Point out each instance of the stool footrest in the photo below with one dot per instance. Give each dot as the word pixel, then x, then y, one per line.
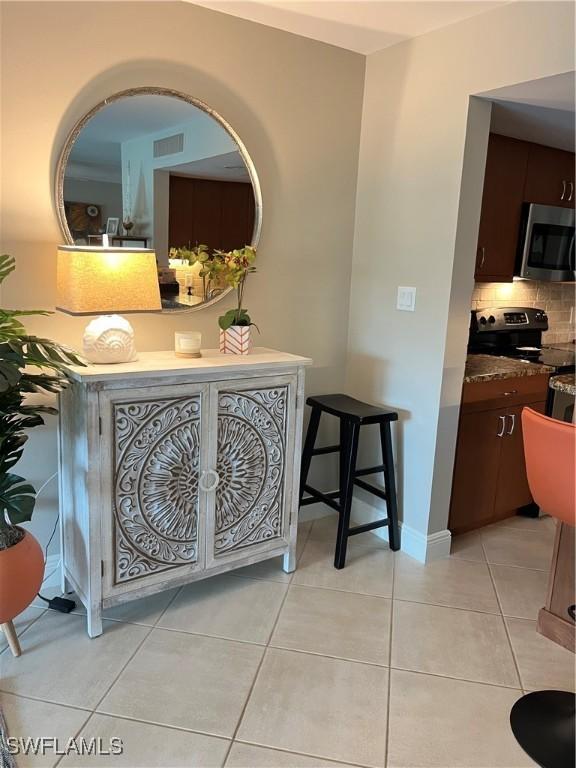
pixel 371 489
pixel 369 471
pixel 368 527
pixel 327 498
pixel 326 449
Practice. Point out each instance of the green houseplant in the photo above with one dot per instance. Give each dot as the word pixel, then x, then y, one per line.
pixel 211 267
pixel 28 364
pixel 235 324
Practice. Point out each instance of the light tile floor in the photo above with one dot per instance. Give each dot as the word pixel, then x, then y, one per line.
pixel 385 663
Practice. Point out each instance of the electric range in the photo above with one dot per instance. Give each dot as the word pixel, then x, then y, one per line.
pixel 517 332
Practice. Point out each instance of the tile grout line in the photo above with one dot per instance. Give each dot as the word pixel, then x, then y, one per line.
pixel 243 710
pixel 27 697
pixel 389 692
pixel 451 607
pixel 26 628
pixel 159 724
pixel 303 754
pixel 249 694
pixel 132 655
pixel 236 574
pixel 506 630
pixel 501 686
pixel 138 646
pixel 76 735
pixel 500 565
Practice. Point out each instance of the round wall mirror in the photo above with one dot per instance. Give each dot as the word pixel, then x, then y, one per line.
pixel 155 168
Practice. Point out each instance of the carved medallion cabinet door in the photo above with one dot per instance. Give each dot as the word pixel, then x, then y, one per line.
pixel 253 456
pixel 155 443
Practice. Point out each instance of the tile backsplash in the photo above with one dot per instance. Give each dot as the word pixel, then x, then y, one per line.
pixel 557 299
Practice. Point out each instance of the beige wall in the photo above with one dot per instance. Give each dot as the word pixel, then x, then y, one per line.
pixel 413 228
pixel 296 104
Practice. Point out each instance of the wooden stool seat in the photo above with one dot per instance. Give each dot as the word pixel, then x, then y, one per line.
pixel 345 407
pixel 352 414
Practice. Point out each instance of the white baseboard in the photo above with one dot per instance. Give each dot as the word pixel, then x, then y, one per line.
pixel 414 543
pixel 425 548
pixel 52 572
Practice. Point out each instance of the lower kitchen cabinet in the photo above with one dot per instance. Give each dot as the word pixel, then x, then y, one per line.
pixel 490 481
pixel 475 471
pixel 512 491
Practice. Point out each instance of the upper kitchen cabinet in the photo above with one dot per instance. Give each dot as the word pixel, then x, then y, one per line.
pixel 517 172
pixel 550 176
pixel 506 164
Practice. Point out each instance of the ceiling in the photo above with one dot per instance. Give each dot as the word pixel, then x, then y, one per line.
pixel 556 92
pixel 227 167
pixel 538 110
pixel 130 118
pixel 363 26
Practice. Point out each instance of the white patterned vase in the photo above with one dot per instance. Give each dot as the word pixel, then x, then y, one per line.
pixel 235 340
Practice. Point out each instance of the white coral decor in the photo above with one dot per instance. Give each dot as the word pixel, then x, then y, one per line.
pixel 109 339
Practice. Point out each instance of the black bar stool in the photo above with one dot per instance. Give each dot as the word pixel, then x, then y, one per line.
pixel 352 414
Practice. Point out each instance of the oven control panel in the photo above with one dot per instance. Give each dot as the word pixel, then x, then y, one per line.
pixel 510 318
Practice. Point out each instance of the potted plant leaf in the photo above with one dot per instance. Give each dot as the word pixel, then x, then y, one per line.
pixel 28 364
pixel 235 325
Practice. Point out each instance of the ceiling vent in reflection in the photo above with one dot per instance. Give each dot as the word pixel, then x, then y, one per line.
pixel 171 145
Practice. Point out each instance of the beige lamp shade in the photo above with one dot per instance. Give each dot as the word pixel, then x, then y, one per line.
pixel 93 280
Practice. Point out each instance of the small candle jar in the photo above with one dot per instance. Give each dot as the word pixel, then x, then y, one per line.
pixel 187 343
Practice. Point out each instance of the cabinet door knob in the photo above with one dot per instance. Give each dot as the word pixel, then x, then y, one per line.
pixel 502 425
pixel 204 483
pixel 563 190
pixel 512 423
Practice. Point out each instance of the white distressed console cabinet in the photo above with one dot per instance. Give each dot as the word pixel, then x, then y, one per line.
pixel 175 469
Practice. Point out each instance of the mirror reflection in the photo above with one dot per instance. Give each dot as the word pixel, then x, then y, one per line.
pixel 153 170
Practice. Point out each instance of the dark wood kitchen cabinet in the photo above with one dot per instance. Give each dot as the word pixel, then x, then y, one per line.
pixel 517 172
pixel 502 198
pixel 217 213
pixel 512 491
pixel 549 176
pixel 489 481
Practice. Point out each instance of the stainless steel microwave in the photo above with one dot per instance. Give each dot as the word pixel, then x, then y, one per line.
pixel 546 249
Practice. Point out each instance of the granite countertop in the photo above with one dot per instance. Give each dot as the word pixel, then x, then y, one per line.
pixel 489 367
pixel 565 383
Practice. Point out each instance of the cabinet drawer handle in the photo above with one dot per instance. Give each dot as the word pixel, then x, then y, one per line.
pixel 206 486
pixel 508 394
pixel 502 425
pixel 512 424
pixel 483 257
pixel 563 190
pixel 571 191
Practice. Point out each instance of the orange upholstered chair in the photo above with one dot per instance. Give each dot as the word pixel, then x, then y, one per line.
pixel 543 722
pixel 550 451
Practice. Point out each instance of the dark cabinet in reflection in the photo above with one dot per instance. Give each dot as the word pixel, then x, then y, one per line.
pixel 219 214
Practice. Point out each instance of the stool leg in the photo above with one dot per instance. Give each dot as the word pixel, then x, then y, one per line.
pixel 349 435
pixel 308 448
pixel 390 485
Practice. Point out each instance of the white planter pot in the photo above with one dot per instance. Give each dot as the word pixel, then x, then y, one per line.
pixel 235 340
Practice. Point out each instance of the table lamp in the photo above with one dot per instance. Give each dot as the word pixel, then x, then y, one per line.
pixel 100 281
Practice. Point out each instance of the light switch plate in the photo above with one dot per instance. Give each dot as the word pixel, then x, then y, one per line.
pixel 406 298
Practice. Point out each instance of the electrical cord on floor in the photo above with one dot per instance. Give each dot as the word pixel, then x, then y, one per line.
pixel 61 604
